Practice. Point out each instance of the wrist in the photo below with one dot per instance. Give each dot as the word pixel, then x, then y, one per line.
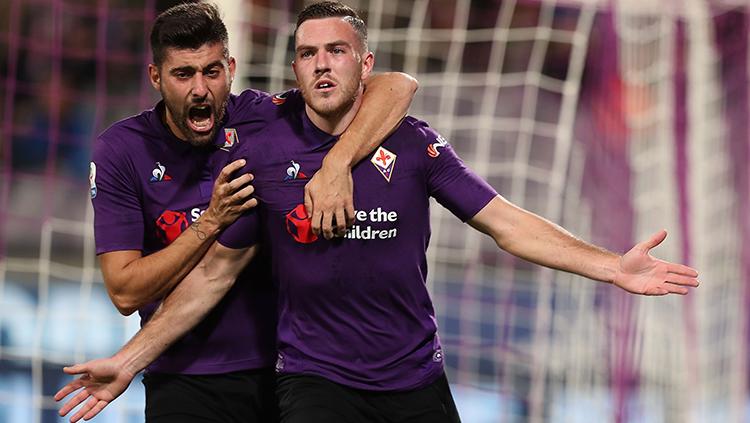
pixel 615 271
pixel 338 158
pixel 127 363
pixel 208 223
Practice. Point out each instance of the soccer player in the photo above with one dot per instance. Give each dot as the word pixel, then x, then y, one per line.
pixel 357 338
pixel 156 214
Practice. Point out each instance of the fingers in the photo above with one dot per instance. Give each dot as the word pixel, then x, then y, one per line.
pixel 97 408
pixel 315 220
pixel 675 289
pixel 340 221
pixel 76 369
pixel 308 201
pixel 73 402
pixel 350 214
pixel 242 194
pixel 652 242
pixel 67 389
pixel 681 269
pixel 228 170
pixel 239 182
pixel 84 410
pixel 249 204
pixel 682 280
pixel 327 225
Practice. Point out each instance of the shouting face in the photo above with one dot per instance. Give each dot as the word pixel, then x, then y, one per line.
pixel 195 85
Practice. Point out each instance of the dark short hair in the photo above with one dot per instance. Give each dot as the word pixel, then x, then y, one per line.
pixel 187 26
pixel 334 9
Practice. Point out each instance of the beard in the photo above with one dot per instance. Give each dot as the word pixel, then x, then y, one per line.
pixel 337 103
pixel 181 114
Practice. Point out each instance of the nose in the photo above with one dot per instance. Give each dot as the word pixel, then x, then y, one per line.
pixel 200 88
pixel 321 64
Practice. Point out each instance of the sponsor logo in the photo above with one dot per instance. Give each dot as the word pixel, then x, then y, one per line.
pixel 366 231
pixel 92 180
pixel 170 224
pixel 195 213
pixel 279 99
pixel 230 138
pixel 432 149
pixel 159 173
pixel 299 225
pixel 384 161
pixel 293 172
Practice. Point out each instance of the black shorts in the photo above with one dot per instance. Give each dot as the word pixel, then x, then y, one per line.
pixel 241 397
pixel 313 399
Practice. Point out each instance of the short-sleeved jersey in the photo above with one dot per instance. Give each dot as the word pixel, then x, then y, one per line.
pixel 147 187
pixel 356 310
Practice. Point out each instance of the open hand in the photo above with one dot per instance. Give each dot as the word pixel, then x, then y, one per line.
pixel 101 381
pixel 640 273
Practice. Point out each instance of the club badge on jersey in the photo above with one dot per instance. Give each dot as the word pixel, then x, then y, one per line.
pixel 92 180
pixel 230 138
pixel 384 161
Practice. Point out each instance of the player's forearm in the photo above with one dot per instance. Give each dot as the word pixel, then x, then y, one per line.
pixel 535 239
pixel 183 308
pixel 150 278
pixel 385 102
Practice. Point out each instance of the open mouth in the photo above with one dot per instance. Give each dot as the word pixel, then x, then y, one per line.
pixel 201 118
pixel 324 85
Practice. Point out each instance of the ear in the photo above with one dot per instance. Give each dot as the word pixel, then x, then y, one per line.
pixel 154 76
pixel 232 67
pixel 367 63
pixel 294 69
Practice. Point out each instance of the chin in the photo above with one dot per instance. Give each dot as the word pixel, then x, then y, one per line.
pixel 201 140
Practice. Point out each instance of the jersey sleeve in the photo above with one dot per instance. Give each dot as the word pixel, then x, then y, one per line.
pixel 245 231
pixel 449 181
pixel 253 108
pixel 118 216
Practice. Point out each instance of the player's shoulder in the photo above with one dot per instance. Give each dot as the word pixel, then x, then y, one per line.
pixel 413 130
pixel 253 102
pixel 132 130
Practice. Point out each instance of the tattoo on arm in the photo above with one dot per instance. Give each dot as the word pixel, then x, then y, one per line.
pixel 196 227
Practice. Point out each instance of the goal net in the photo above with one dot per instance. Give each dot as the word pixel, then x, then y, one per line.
pixel 612 118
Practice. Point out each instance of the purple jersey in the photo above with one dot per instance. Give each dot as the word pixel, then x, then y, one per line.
pixel 147 187
pixel 356 310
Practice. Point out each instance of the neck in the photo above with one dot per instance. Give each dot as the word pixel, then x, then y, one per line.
pixel 335 124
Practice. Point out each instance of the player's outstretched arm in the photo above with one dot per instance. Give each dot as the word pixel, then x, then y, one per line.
pixel 540 241
pixel 329 194
pixel 103 380
pixel 133 280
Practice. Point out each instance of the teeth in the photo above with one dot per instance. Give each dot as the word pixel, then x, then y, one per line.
pixel 324 85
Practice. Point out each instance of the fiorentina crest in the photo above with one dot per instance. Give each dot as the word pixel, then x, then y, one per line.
pixel 384 161
pixel 230 138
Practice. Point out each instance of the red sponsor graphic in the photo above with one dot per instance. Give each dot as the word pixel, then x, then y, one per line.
pixel 170 225
pixel 278 99
pixel 432 151
pixel 299 225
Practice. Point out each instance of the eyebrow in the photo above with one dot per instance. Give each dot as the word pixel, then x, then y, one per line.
pixel 327 45
pixel 187 68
